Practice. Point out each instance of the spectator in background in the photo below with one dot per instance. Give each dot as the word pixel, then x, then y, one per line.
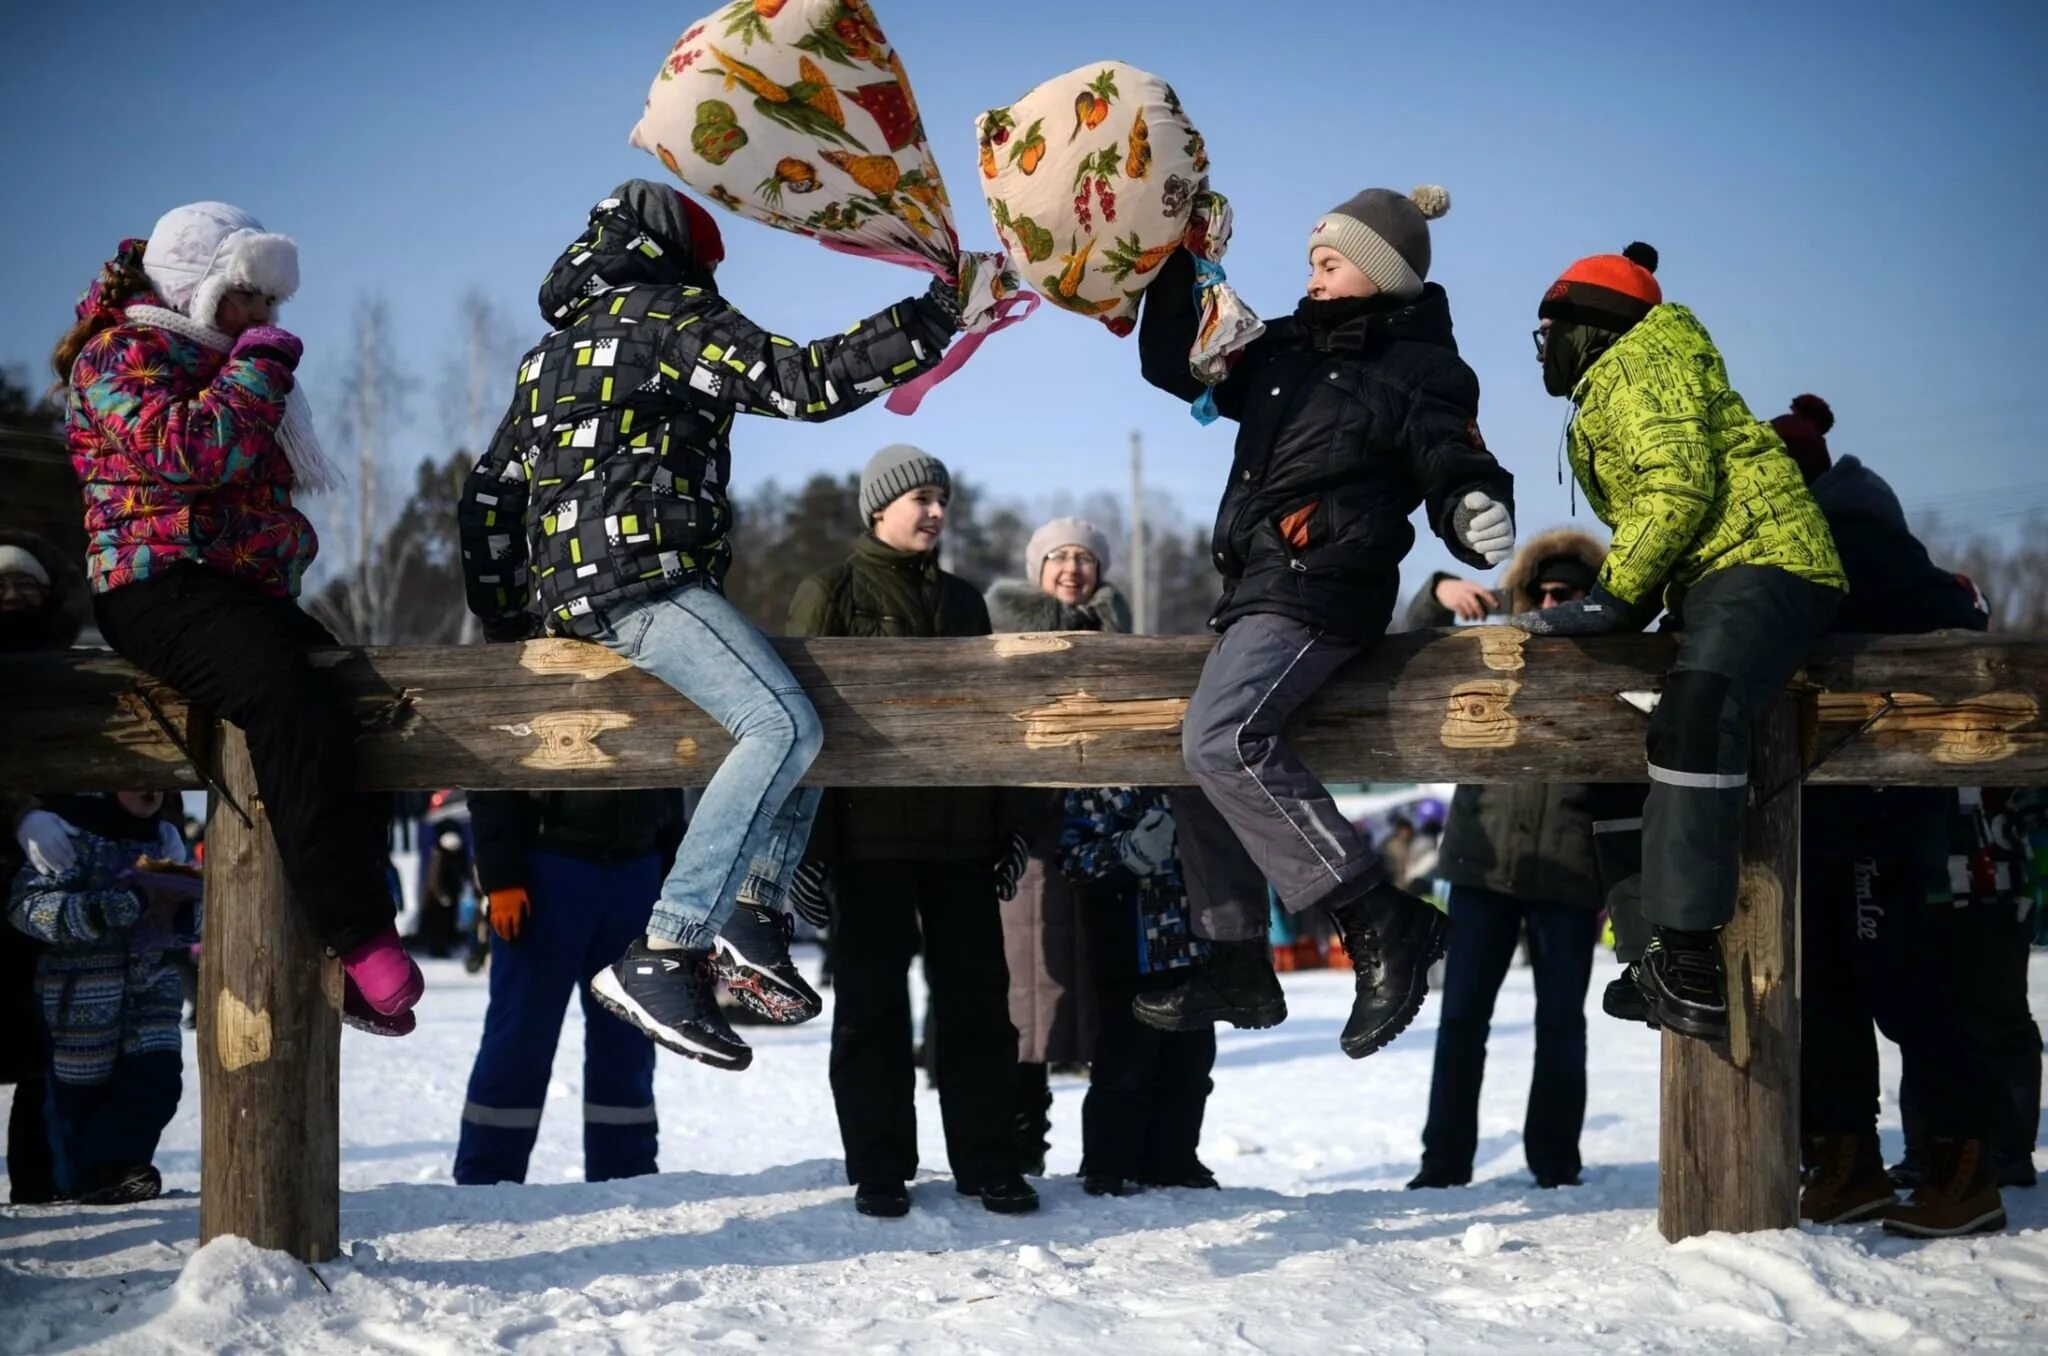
pixel 1516 857
pixel 110 1004
pixel 936 861
pixel 43 602
pixel 571 877
pixel 1046 938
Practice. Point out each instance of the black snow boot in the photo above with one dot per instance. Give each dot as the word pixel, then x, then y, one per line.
pixel 1392 938
pixel 673 997
pixel 1236 984
pixel 1109 1184
pixel 1003 1194
pixel 1623 998
pixel 1437 1179
pixel 752 954
pixel 882 1200
pixel 1685 984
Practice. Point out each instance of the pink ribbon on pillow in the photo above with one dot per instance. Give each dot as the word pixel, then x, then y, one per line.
pixel 906 398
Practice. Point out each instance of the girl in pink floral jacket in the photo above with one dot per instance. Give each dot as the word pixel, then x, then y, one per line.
pixel 190 440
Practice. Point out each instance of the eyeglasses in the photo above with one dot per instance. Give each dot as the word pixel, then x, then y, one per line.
pixel 1542 338
pixel 1071 555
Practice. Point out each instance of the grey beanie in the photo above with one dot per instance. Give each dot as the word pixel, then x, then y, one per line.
pixel 895 471
pixel 1386 234
pixel 1064 532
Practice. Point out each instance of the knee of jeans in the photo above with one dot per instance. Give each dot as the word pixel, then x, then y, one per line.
pixel 807 736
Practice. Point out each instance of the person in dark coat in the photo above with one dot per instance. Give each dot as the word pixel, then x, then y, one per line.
pixel 1518 858
pixel 601 509
pixel 1351 414
pixel 1053 999
pixel 1879 938
pixel 570 877
pixel 109 1000
pixel 43 602
pixel 1141 1122
pixel 933 862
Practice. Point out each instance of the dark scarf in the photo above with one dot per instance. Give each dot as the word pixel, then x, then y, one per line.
pixel 1570 352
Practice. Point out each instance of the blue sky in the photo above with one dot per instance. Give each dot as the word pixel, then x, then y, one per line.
pixel 1852 196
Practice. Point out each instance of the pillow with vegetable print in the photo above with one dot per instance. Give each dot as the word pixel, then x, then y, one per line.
pixel 798 114
pixel 1093 180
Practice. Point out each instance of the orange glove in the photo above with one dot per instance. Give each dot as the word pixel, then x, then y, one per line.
pixel 508 911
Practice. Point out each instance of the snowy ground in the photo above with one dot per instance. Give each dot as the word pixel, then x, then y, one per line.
pixel 748 1240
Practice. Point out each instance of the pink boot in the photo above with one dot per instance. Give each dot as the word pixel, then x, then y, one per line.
pixel 384 975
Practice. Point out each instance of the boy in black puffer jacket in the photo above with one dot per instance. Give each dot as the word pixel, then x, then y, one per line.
pixel 603 496
pixel 1352 413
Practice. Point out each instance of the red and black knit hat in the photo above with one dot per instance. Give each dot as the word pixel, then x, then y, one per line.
pixel 1613 291
pixel 1805 432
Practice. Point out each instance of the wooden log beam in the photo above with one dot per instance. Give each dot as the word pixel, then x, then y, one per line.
pixel 1478 704
pixel 1728 1136
pixel 269 1041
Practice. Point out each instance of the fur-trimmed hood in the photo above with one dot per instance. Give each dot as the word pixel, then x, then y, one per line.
pixel 1561 541
pixel 1017 605
pixel 63 616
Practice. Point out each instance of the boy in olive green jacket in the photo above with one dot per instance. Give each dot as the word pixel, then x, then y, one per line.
pixel 1712 522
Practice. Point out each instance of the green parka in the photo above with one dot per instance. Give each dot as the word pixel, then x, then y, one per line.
pixel 1689 480
pixel 879 591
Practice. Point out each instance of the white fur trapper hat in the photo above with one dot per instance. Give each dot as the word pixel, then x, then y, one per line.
pixel 200 252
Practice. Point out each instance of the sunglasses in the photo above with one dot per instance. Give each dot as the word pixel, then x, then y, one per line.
pixel 1558 593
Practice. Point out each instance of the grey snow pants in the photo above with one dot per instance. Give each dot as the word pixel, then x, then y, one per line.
pixel 1744 633
pixel 1260 814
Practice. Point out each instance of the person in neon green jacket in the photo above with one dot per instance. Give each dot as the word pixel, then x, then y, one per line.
pixel 1713 523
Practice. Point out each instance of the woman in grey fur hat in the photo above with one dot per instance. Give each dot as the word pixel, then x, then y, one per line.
pixel 1101 865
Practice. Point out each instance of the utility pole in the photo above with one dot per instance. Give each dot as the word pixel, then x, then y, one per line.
pixel 1141 581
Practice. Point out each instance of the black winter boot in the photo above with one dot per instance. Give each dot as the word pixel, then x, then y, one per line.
pixel 1623 999
pixel 1392 938
pixel 1685 984
pixel 1005 1193
pixel 1235 985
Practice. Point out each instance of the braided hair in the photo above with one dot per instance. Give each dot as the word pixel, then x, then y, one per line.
pixel 120 281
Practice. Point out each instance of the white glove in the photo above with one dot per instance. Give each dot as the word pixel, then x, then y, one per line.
pixel 1484 526
pixel 170 844
pixel 1146 848
pixel 46 840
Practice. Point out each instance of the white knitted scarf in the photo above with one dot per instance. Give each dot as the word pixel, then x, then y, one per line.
pixel 312 471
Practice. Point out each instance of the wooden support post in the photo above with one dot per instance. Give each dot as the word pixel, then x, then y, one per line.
pixel 1728 1156
pixel 269 1040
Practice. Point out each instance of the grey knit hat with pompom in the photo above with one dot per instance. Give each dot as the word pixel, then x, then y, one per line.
pixel 1386 234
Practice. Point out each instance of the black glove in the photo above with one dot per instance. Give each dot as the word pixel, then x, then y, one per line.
pixel 516 627
pixel 1597 614
pixel 809 894
pixel 1010 867
pixel 944 303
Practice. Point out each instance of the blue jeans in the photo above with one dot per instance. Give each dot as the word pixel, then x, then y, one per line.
pixel 584 914
pixel 751 825
pixel 1484 929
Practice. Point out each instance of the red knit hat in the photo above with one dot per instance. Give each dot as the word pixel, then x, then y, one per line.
pixel 1805 431
pixel 1612 291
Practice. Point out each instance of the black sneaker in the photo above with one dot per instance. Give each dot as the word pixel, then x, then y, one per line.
pixel 673 997
pixel 1392 938
pixel 1684 984
pixel 123 1186
pixel 1006 1194
pixel 752 954
pixel 1109 1184
pixel 1623 998
pixel 882 1200
pixel 1236 984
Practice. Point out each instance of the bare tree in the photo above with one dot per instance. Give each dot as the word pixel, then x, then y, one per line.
pixel 374 395
pixel 475 379
pixel 2011 576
